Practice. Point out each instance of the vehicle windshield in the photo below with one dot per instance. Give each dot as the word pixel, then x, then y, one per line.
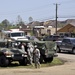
pixel 50 45
pixel 73 40
pixel 17 34
pixel 41 45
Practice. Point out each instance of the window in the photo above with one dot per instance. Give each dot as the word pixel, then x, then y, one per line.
pixel 66 40
pixel 17 34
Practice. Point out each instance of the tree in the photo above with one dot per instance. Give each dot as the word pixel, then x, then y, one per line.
pixel 19 21
pixel 5 24
pixel 30 19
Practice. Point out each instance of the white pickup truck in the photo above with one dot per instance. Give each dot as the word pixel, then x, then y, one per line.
pixel 14 34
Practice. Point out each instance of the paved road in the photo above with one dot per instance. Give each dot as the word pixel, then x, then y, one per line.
pixel 67 56
pixel 67 69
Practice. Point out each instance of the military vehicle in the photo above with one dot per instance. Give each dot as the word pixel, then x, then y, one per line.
pixel 47 49
pixel 9 54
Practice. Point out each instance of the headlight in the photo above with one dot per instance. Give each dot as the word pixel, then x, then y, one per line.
pixel 8 54
pixel 9 40
pixel 24 55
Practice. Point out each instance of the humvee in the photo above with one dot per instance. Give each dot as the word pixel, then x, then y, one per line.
pixel 9 54
pixel 47 49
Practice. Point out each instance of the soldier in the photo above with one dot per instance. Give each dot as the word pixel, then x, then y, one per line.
pixel 19 45
pixel 30 53
pixel 23 47
pixel 36 55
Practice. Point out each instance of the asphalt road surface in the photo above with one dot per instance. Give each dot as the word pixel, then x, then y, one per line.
pixel 67 69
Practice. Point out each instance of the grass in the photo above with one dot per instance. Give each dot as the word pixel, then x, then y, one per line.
pixel 56 61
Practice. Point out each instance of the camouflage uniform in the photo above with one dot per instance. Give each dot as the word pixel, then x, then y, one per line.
pixel 30 54
pixel 36 54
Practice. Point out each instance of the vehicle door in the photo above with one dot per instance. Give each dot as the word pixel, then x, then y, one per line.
pixel 63 44
pixel 68 45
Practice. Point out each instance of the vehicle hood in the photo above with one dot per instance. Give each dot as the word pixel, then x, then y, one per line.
pixel 12 51
pixel 73 44
pixel 19 38
pixel 58 42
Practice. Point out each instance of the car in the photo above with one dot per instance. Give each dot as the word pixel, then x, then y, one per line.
pixel 32 38
pixel 52 38
pixel 67 44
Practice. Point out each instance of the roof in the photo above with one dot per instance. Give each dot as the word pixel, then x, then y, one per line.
pixel 68 28
pixel 69 38
pixel 72 23
pixel 12 31
pixel 39 27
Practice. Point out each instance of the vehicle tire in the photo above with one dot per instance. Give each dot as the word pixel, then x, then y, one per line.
pixel 48 59
pixel 3 61
pixel 58 50
pixel 41 59
pixel 23 62
pixel 73 51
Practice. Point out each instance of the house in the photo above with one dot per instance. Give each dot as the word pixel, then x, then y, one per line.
pixel 37 30
pixel 67 30
pixel 49 30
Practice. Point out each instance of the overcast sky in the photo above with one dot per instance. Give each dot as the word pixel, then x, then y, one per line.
pixel 40 10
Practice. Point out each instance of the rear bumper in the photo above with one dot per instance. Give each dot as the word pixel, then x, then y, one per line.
pixel 55 55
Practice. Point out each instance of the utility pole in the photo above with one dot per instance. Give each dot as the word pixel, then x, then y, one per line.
pixel 56 18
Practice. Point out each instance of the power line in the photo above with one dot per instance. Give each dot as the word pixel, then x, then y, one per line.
pixel 34 9
pixel 49 18
pixel 37 8
pixel 40 7
pixel 68 1
pixel 66 17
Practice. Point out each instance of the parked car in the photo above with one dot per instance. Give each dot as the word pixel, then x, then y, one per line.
pixel 32 38
pixel 67 44
pixel 52 38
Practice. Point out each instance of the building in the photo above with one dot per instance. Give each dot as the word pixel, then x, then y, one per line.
pixel 37 30
pixel 49 31
pixel 67 30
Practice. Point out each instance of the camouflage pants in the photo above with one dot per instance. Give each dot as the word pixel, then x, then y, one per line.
pixel 36 62
pixel 30 58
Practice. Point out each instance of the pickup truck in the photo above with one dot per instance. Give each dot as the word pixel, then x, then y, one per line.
pixel 67 44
